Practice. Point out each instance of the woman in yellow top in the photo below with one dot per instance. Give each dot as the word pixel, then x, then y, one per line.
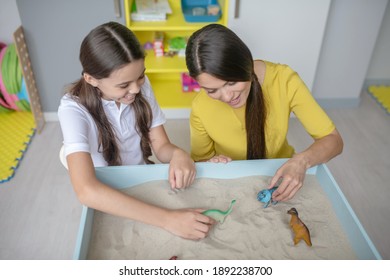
pixel 244 110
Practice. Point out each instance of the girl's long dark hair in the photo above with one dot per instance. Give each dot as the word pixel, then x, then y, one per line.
pixel 106 48
pixel 218 51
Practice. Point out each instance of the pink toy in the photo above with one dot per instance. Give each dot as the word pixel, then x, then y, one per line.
pixel 188 83
pixel 158 43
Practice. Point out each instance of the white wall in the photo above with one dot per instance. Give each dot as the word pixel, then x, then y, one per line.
pixel 54 30
pixel 9 20
pixel 380 61
pixel 350 36
pixel 283 31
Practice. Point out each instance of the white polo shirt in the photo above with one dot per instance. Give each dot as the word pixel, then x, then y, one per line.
pixel 81 135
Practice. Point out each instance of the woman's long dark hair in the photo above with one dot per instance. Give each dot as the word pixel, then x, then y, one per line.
pixel 218 51
pixel 105 49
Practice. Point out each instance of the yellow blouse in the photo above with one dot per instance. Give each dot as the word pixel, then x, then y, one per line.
pixel 218 129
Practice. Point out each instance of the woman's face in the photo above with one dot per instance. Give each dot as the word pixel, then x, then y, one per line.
pixel 123 84
pixel 234 94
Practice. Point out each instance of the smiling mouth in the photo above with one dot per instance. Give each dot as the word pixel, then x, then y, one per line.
pixel 235 101
pixel 129 97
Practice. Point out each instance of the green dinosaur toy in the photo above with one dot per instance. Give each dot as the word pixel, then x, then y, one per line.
pixel 219 215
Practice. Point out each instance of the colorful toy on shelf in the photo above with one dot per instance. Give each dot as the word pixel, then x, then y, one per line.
pixel 158 43
pixel 299 228
pixel 148 46
pixel 219 215
pixel 265 196
pixel 178 45
pixel 188 83
pixel 213 10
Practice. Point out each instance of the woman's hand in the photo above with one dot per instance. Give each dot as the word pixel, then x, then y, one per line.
pixel 291 174
pixel 181 170
pixel 220 159
pixel 189 223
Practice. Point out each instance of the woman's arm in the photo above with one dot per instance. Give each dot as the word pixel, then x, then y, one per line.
pixel 293 171
pixel 181 167
pixel 186 223
pixel 327 140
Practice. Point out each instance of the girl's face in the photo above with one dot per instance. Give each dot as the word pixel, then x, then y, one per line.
pixel 123 84
pixel 234 94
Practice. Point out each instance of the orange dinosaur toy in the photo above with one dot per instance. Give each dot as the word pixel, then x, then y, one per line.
pixel 299 228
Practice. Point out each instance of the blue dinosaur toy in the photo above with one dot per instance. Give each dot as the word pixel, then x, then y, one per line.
pixel 265 196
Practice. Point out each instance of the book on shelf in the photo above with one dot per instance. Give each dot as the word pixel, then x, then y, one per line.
pixel 150 10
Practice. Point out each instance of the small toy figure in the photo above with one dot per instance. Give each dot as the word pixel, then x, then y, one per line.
pixel 178 45
pixel 212 10
pixel 148 46
pixel 158 43
pixel 219 215
pixel 299 228
pixel 265 196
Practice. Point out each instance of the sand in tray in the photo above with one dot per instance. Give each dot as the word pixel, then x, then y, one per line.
pixel 249 232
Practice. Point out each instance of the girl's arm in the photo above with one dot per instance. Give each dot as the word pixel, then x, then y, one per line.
pixel 181 167
pixel 186 223
pixel 293 171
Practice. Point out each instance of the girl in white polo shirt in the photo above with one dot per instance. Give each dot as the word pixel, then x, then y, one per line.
pixel 110 117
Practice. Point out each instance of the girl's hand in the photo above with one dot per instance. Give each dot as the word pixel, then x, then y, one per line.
pixel 189 223
pixel 220 159
pixel 292 174
pixel 182 170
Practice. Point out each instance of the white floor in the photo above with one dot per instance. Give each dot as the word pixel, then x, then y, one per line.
pixel 39 212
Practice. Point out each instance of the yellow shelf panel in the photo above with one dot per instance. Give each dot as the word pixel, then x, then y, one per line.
pixel 164 64
pixel 169 94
